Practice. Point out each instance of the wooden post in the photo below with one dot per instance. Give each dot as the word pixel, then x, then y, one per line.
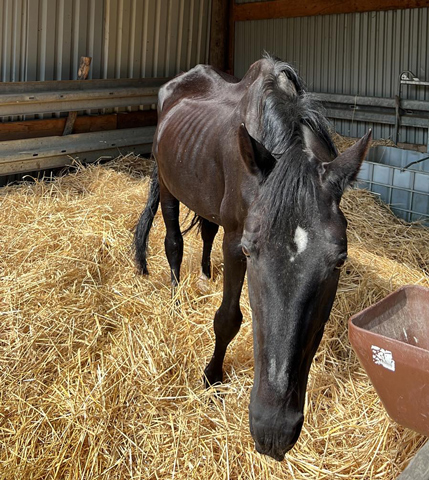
pixel 82 74
pixel 231 38
pixel 218 56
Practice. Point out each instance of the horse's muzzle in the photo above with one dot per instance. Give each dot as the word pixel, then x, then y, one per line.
pixel 275 439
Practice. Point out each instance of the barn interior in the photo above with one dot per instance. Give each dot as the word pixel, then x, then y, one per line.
pixel 101 370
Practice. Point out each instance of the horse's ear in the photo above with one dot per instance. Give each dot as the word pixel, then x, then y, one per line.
pixel 257 158
pixel 342 171
pixel 315 146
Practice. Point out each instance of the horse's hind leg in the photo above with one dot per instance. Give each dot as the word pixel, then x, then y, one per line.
pixel 208 233
pixel 228 318
pixel 173 238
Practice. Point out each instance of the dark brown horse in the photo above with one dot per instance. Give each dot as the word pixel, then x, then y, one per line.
pixel 255 157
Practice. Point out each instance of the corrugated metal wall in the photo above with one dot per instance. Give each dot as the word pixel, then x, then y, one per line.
pixel 355 54
pixel 44 39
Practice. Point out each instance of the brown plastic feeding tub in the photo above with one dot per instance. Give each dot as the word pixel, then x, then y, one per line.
pixel 391 340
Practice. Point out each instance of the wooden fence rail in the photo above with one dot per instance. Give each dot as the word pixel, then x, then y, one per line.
pixel 22 155
pixel 26 98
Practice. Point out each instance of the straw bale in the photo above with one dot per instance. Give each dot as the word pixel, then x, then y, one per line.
pixel 101 374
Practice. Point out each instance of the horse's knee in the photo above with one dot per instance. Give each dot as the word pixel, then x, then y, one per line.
pixel 227 324
pixel 174 243
pixel 208 231
pixel 173 246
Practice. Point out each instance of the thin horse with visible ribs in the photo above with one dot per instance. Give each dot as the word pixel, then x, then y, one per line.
pixel 255 157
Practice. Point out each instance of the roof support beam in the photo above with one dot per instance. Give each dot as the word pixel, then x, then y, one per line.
pixel 308 8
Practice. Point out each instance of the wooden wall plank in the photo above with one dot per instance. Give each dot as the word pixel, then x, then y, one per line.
pixel 54 126
pixel 29 155
pixel 84 124
pixel 307 8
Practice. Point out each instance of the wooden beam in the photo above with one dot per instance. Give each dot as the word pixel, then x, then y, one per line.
pixel 51 152
pixel 86 123
pixel 30 90
pixel 218 56
pixel 19 98
pixel 55 126
pixel 309 8
pixel 231 38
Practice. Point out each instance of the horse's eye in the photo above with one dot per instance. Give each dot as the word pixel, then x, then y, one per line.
pixel 341 260
pixel 245 251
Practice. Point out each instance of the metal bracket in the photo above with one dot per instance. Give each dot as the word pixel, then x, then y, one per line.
pixel 406 78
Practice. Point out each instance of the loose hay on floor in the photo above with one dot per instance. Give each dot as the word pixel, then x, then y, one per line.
pixel 101 377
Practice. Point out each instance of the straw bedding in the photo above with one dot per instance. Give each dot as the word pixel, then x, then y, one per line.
pixel 101 375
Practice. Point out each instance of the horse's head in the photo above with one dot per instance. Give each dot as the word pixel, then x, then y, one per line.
pixel 295 243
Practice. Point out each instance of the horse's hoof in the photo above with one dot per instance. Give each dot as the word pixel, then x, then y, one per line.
pixel 142 269
pixel 175 297
pixel 212 379
pixel 203 283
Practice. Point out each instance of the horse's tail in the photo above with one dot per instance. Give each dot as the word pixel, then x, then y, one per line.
pixel 141 235
pixel 196 222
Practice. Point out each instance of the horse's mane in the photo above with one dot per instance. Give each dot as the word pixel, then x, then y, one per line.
pixel 285 107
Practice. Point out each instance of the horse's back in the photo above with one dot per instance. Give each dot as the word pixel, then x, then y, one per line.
pixel 202 81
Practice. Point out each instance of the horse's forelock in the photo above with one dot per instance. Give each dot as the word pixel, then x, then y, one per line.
pixel 289 195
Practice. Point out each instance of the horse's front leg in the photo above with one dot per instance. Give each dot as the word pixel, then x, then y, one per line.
pixel 228 318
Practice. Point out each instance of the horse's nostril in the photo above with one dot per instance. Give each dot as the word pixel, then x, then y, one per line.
pixel 275 440
pixel 275 453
